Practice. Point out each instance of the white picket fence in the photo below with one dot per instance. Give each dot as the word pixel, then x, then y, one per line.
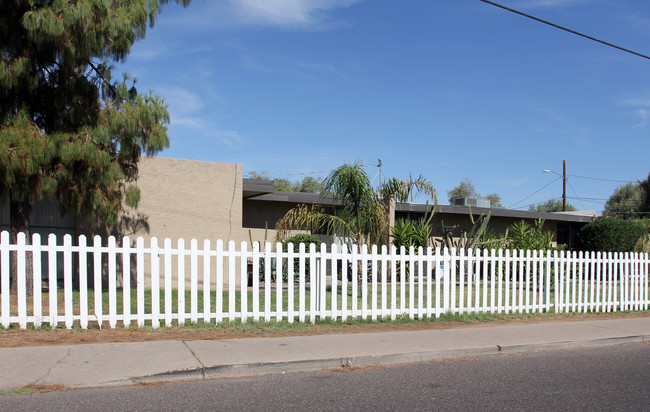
pixel 238 284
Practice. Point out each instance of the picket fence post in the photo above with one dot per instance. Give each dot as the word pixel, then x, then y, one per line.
pixel 37 280
pixel 83 282
pixel 5 272
pixel 126 280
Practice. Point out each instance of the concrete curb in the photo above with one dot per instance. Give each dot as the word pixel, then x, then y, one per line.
pixel 309 365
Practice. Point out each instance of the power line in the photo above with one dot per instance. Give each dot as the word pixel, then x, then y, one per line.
pixel 308 173
pixel 537 191
pixel 604 180
pixel 566 29
pixel 574 192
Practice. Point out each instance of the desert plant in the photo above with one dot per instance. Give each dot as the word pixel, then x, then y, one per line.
pixel 472 239
pixel 360 214
pixel 524 236
pixel 611 234
pixel 416 233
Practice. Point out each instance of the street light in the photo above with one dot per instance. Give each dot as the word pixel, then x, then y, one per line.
pixel 563 183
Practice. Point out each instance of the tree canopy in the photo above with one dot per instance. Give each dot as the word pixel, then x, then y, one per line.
pixel 308 184
pixel 68 129
pixel 630 200
pixel 551 205
pixel 466 189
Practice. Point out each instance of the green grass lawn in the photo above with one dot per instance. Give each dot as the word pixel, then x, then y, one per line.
pixel 410 294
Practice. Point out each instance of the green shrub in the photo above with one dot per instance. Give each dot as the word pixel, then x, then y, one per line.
pixel 530 237
pixel 611 234
pixel 307 239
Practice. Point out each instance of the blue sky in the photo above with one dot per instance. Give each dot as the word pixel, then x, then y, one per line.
pixel 449 89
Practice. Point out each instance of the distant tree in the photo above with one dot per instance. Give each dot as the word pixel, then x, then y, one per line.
pixel 464 189
pixel 263 175
pixel 67 128
pixel 630 200
pixel 307 185
pixel 283 185
pixel 495 200
pixel 310 185
pixel 551 205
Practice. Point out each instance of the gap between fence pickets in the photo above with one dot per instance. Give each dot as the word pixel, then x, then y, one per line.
pixel 483 281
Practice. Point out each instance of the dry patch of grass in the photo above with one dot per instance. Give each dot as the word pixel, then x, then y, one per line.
pixel 15 337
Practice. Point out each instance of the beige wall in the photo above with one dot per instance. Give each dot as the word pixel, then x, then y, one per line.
pixel 185 199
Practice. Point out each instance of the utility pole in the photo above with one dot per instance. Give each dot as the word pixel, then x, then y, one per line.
pixel 564 185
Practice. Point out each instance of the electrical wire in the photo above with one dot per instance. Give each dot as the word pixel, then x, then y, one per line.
pixel 604 180
pixel 557 26
pixel 574 192
pixel 312 172
pixel 537 191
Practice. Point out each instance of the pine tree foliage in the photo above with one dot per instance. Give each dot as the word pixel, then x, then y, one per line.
pixel 68 128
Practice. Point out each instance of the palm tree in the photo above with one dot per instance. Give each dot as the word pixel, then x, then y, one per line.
pixel 361 214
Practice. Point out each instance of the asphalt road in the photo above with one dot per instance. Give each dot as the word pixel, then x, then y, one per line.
pixel 605 378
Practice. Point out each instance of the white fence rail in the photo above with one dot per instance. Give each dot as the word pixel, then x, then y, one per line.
pixel 153 284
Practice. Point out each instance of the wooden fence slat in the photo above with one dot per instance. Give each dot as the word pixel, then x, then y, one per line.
pixel 243 275
pixel 155 283
pixel 194 281
pixel 207 293
pixel 290 283
pixel 67 281
pixel 167 262
pixel 344 282
pixel 53 281
pixel 112 283
pixel 21 295
pixel 374 275
pixel 268 287
pixel 278 281
pixel 322 289
pixel 301 282
pixel 38 281
pixel 393 283
pixel 219 281
pixel 126 280
pixel 5 272
pixel 140 280
pixel 83 282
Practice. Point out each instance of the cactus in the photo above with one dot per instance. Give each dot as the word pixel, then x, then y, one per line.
pixel 476 237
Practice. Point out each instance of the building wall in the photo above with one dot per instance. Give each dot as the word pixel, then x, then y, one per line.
pixel 182 199
pixel 185 199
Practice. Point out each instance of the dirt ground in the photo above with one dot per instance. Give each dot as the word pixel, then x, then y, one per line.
pixel 39 337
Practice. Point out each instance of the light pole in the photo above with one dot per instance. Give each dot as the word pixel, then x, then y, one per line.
pixel 563 183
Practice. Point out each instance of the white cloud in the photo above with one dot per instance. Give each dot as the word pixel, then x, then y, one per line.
pixel 286 12
pixel 304 14
pixel 642 109
pixel 637 101
pixel 548 3
pixel 181 101
pixel 229 137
